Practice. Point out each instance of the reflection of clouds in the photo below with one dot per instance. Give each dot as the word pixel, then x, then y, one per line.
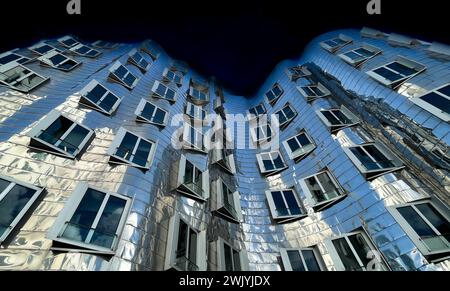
pixel 12 204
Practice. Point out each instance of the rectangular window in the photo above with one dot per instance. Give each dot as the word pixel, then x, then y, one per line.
pixel 301 260
pixel 256 111
pixel 186 249
pixel 193 138
pixel 427 226
pixel 11 56
pixel 42 48
pixel 373 160
pixel 149 47
pixel 57 60
pixel 162 91
pixel 121 75
pixel 355 252
pixel 129 148
pixel 195 112
pixel 313 92
pixel 261 133
pixel 199 96
pixel 274 94
pixel 358 56
pixel 191 180
pixel 20 78
pixel 227 203
pixel 229 258
pixel 397 72
pixel 299 146
pixel 271 163
pixel 298 72
pixel 338 118
pixel 150 113
pixel 92 220
pixel 335 44
pixel 16 198
pixel 104 44
pixel 285 115
pixel 85 51
pixel 173 76
pixel 135 58
pixel 224 159
pixel 437 102
pixel 68 41
pixel 322 190
pixel 285 205
pixel 60 135
pixel 98 97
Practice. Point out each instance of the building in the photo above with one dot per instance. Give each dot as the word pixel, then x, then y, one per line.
pixel 103 165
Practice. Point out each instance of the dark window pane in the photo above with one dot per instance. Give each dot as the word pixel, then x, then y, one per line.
pixel 182 240
pixel 148 110
pixel 303 140
pixel 69 65
pixel 365 160
pixel 310 260
pixel 57 59
pixel 278 161
pixel 192 246
pixel 279 204
pixel 56 130
pixel 129 79
pixel 436 219
pixel 159 116
pixel 388 74
pixel 142 153
pixel 402 69
pixel 127 145
pixel 292 203
pixel 73 140
pixel 96 93
pixel 120 72
pixel 9 58
pixel 331 118
pixel 43 49
pixel 293 144
pixel 296 261
pixel 417 223
pixel 379 157
pixel 228 257
pixel 445 90
pixel 236 260
pixel 341 116
pixel 437 101
pixel 108 102
pixel 361 247
pixel 106 229
pixel 346 255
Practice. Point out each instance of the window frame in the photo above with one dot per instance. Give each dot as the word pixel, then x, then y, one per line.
pixel 74 49
pixel 359 62
pixel 287 262
pixel 84 99
pixel 197 110
pixel 68 211
pixel 157 95
pixel 321 206
pixel 140 118
pixel 131 60
pixel 25 209
pixel 333 49
pixel 192 145
pixel 41 44
pixel 12 66
pixel 335 128
pixel 176 73
pixel 21 60
pixel 220 206
pixel 262 168
pixel 112 150
pixel 194 99
pixel 431 108
pixel 418 67
pixel 251 116
pixel 297 157
pixel 44 123
pixel 227 162
pixel 180 186
pixel 113 77
pixel 266 138
pixel 65 38
pixel 220 246
pixel 288 121
pixel 45 61
pixel 298 72
pixel 280 219
pixel 310 98
pixel 274 101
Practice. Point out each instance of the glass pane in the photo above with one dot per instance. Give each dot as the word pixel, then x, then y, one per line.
pixel 280 206
pixel 445 90
pixel 296 261
pixel 121 72
pixel 315 190
pixel 81 222
pixel 148 110
pixel 268 165
pixel 294 207
pixel 57 59
pixel 379 157
pixel 361 247
pixel 182 240
pixel 293 145
pixel 354 56
pixel 13 203
pixel 108 102
pixel 57 129
pixel 106 229
pixel 73 140
pixel 161 90
pixel 170 94
pixel 436 219
pixel 310 260
pixel 416 222
pixel 303 140
pixel 331 118
pixel 96 93
pixel 125 150
pixel 317 91
pixel 402 69
pixel 289 112
pixel 346 255
pixel 308 91
pixel 43 49
pixel 129 79
pixel 277 160
pixel 341 116
pixel 69 65
pixel 331 191
pixel 142 153
pixel 270 96
pixel 9 58
pixel 277 91
pixel 437 101
pixel 388 74
pixel 159 116
pixel 365 160
pixel 236 260
pixel 192 246
pixel 189 173
pixel 228 257
pixel 83 50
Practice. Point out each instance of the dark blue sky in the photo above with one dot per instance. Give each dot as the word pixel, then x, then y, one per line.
pixel 238 42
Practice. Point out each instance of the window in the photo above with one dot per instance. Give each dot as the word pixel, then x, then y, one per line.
pixel 224 159
pixel 56 60
pixel 193 138
pixel 162 91
pixel 437 102
pixel 298 72
pixel 274 94
pixel 335 44
pixel 16 198
pixel 271 163
pixel 313 92
pixel 261 133
pixel 191 181
pixel 373 160
pixel 321 190
pixel 300 260
pixel 20 78
pixel 132 149
pixel 227 203
pixel 8 57
pixel 149 47
pixel 150 113
pixel 338 118
pixel 173 76
pixel 104 44
pixel 68 41
pixel 92 219
pixel 42 48
pixel 256 111
pixel 285 115
pixel 397 72
pixel 229 258
pixel 285 205
pixel 96 96
pixel 358 56
pixel 85 51
pixel 186 247
pixel 299 146
pixel 199 96
pixel 427 226
pixel 121 75
pixel 354 252
pixel 58 134
pixel 195 112
pixel 135 58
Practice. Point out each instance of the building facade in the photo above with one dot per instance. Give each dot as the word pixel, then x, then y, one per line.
pixel 340 162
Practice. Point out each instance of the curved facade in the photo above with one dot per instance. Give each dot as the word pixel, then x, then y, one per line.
pixel 365 190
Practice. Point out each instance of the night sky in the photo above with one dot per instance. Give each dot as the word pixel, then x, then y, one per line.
pixel 238 42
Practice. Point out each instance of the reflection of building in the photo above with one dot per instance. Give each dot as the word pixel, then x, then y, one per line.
pixel 89 178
